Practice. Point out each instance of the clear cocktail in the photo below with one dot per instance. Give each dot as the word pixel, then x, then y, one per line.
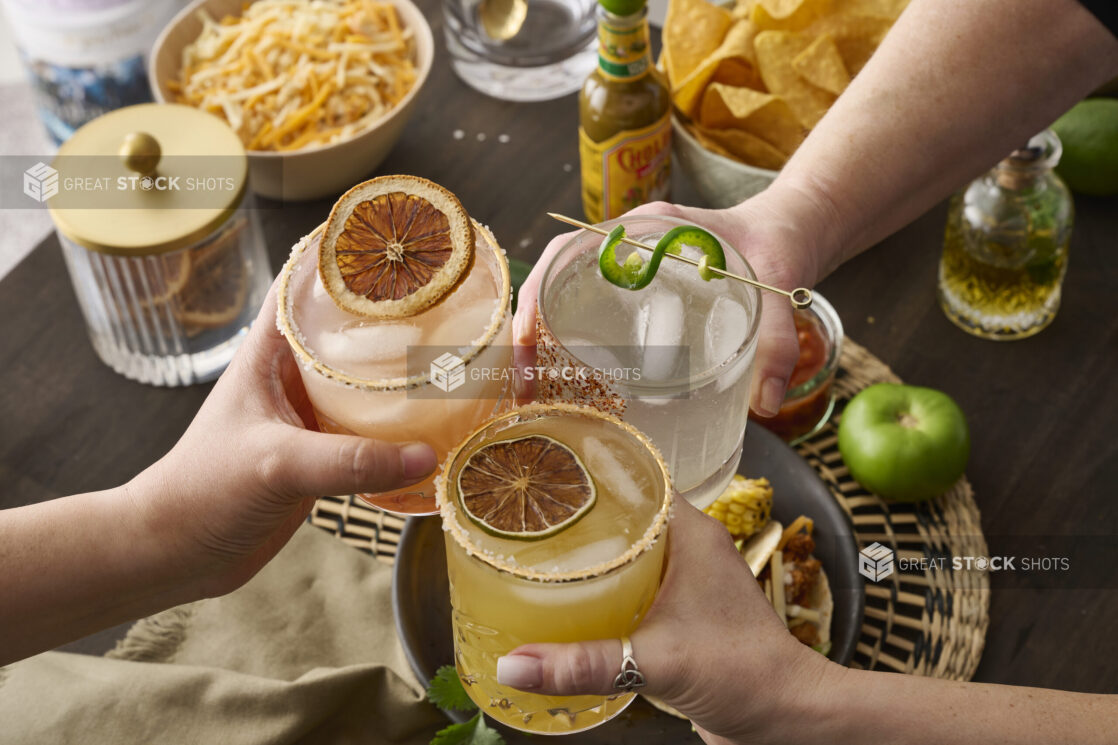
pixel 684 348
pixel 374 376
pixel 594 578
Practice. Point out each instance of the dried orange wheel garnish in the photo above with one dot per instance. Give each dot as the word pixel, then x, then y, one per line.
pixel 394 246
pixel 216 291
pixel 161 276
pixel 528 488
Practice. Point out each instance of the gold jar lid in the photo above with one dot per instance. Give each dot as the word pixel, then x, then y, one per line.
pixel 148 179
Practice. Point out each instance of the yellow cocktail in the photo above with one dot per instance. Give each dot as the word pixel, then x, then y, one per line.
pixel 592 576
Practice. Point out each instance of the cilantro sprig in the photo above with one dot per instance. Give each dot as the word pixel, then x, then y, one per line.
pixel 473 732
pixel 446 692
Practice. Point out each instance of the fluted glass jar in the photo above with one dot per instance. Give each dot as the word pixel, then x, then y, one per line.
pixel 166 259
pixel 1005 248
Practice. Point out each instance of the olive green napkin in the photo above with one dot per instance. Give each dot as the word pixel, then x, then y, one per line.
pixel 306 652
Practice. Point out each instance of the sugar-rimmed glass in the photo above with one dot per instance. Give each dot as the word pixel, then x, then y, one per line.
pixel 595 579
pixel 381 379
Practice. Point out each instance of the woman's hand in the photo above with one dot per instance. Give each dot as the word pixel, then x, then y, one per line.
pixel 199 522
pixel 771 234
pixel 711 646
pixel 248 469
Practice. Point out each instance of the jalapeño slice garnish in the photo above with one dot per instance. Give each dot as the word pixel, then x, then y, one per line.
pixel 636 274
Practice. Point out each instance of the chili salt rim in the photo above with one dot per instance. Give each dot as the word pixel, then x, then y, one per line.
pixel 285 320
pixel 448 510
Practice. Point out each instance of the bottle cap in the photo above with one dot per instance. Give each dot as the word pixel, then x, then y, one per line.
pixel 1021 168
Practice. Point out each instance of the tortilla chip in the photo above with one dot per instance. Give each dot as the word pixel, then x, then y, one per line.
pixel 822 66
pixel 775 52
pixel 781 9
pixel 760 114
pixel 733 60
pixel 738 73
pixel 693 29
pixel 788 15
pixel 890 9
pixel 726 106
pixel 857 37
pixel 739 145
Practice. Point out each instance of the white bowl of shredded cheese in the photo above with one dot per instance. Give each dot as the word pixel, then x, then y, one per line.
pixel 318 91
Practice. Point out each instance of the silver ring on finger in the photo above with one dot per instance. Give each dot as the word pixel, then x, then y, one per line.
pixel 630 678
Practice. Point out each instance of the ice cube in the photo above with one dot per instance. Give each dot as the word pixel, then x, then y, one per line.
pixel 610 471
pixel 659 332
pixel 726 327
pixel 466 325
pixel 595 355
pixel 368 349
pixel 592 554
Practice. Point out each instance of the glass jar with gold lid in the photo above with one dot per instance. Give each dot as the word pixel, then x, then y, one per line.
pixel 166 259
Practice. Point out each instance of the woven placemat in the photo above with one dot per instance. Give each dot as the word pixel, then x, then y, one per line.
pixel 931 622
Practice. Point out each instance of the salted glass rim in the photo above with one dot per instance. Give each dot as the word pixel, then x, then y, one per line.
pixel 285 320
pixel 448 508
pixel 674 385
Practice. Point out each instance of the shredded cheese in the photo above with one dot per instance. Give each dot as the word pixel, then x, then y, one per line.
pixel 290 74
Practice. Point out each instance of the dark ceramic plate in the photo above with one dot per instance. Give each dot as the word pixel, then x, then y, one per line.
pixel 421 596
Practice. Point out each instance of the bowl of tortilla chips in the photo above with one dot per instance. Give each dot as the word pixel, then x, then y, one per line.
pixel 750 80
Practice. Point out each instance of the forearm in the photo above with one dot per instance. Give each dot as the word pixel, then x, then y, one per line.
pixel 954 87
pixel 863 706
pixel 72 566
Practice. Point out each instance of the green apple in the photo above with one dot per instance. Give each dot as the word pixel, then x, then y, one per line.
pixel 904 442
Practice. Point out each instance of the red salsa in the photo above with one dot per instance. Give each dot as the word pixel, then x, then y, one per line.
pixel 804 405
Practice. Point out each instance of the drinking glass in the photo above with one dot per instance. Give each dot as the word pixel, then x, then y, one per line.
pixel 409 380
pixel 684 348
pixel 594 579
pixel 810 397
pixel 550 54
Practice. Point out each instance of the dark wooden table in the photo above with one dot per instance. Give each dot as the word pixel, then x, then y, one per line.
pixel 1042 411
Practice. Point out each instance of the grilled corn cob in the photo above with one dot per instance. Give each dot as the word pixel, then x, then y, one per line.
pixel 744 507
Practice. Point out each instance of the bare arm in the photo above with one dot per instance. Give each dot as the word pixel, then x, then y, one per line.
pixel 886 708
pixel 954 87
pixel 76 565
pixel 712 647
pixel 200 521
